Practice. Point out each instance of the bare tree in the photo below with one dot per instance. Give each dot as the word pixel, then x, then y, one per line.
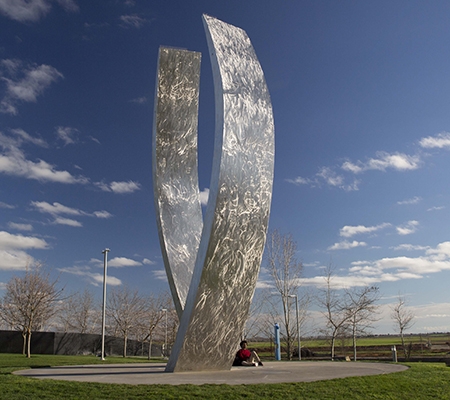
pixel 335 310
pixel 126 310
pixel 256 321
pixel 403 318
pixel 154 317
pixel 285 271
pixel 29 302
pixel 362 311
pixel 172 326
pixel 79 313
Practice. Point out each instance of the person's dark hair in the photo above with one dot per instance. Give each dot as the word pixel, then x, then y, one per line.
pixel 242 343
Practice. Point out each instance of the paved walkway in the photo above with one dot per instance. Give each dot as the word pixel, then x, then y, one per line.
pixel 271 372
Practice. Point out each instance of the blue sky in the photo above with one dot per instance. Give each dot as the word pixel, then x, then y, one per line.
pixel 360 94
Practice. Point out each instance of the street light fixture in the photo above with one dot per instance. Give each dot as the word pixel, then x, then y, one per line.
pixel 298 325
pixel 105 265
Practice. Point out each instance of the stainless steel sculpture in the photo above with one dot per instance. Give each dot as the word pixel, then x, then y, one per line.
pixel 175 173
pixel 228 256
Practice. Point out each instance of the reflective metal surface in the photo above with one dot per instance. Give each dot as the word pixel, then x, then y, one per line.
pixel 175 173
pixel 236 219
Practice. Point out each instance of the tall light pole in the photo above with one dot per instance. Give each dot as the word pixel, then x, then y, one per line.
pixel 165 335
pixel 105 265
pixel 298 325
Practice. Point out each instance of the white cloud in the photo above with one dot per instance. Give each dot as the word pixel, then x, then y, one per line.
pixel 384 161
pixel 410 247
pixel 96 261
pixel 123 262
pixel 408 228
pixel 391 269
pixel 416 266
pixel 160 274
pixel 339 282
pixel 119 187
pixel 299 181
pixel 94 139
pixel 346 245
pixel 102 214
pixel 125 187
pixel 57 209
pixel 350 167
pixel 93 278
pixel 146 261
pixel 32 10
pixel 14 163
pixel 32 83
pixel 10 241
pixel 413 200
pixel 20 227
pixel 6 205
pixel 436 208
pixel 388 269
pixel 204 195
pixel 330 177
pixel 349 231
pixel 312 264
pixel 69 5
pixel 12 256
pixel 263 284
pixel 24 136
pixel 25 10
pixel 352 186
pixel 441 252
pixel 67 221
pixel 67 134
pixel 133 20
pixel 139 100
pixel 14 260
pixel 441 140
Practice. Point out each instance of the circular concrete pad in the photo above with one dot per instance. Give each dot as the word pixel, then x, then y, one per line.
pixel 271 372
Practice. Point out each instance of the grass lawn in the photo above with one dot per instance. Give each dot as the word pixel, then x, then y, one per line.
pixel 421 381
pixel 426 345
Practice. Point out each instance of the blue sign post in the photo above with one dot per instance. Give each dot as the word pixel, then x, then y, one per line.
pixel 277 343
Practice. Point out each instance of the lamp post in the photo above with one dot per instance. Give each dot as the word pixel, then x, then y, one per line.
pixel 298 325
pixel 105 265
pixel 165 335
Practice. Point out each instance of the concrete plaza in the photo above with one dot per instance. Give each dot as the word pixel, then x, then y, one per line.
pixel 271 372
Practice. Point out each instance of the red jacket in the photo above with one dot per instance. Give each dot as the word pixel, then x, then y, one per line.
pixel 244 354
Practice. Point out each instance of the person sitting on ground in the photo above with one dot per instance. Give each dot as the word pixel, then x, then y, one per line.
pixel 246 357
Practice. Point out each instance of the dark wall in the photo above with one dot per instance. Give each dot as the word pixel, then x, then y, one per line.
pixel 73 344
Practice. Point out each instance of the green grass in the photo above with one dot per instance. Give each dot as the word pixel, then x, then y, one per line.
pixel 384 340
pixel 421 381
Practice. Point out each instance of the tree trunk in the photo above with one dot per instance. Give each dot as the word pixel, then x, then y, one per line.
pixel 289 347
pixel 24 345
pixel 354 343
pixel 149 348
pixel 403 345
pixel 333 340
pixel 29 344
pixel 125 345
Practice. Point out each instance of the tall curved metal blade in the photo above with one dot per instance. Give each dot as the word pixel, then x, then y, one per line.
pixel 175 172
pixel 236 220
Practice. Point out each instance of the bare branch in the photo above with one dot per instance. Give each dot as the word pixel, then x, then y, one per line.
pixel 286 272
pixel 403 318
pixel 29 302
